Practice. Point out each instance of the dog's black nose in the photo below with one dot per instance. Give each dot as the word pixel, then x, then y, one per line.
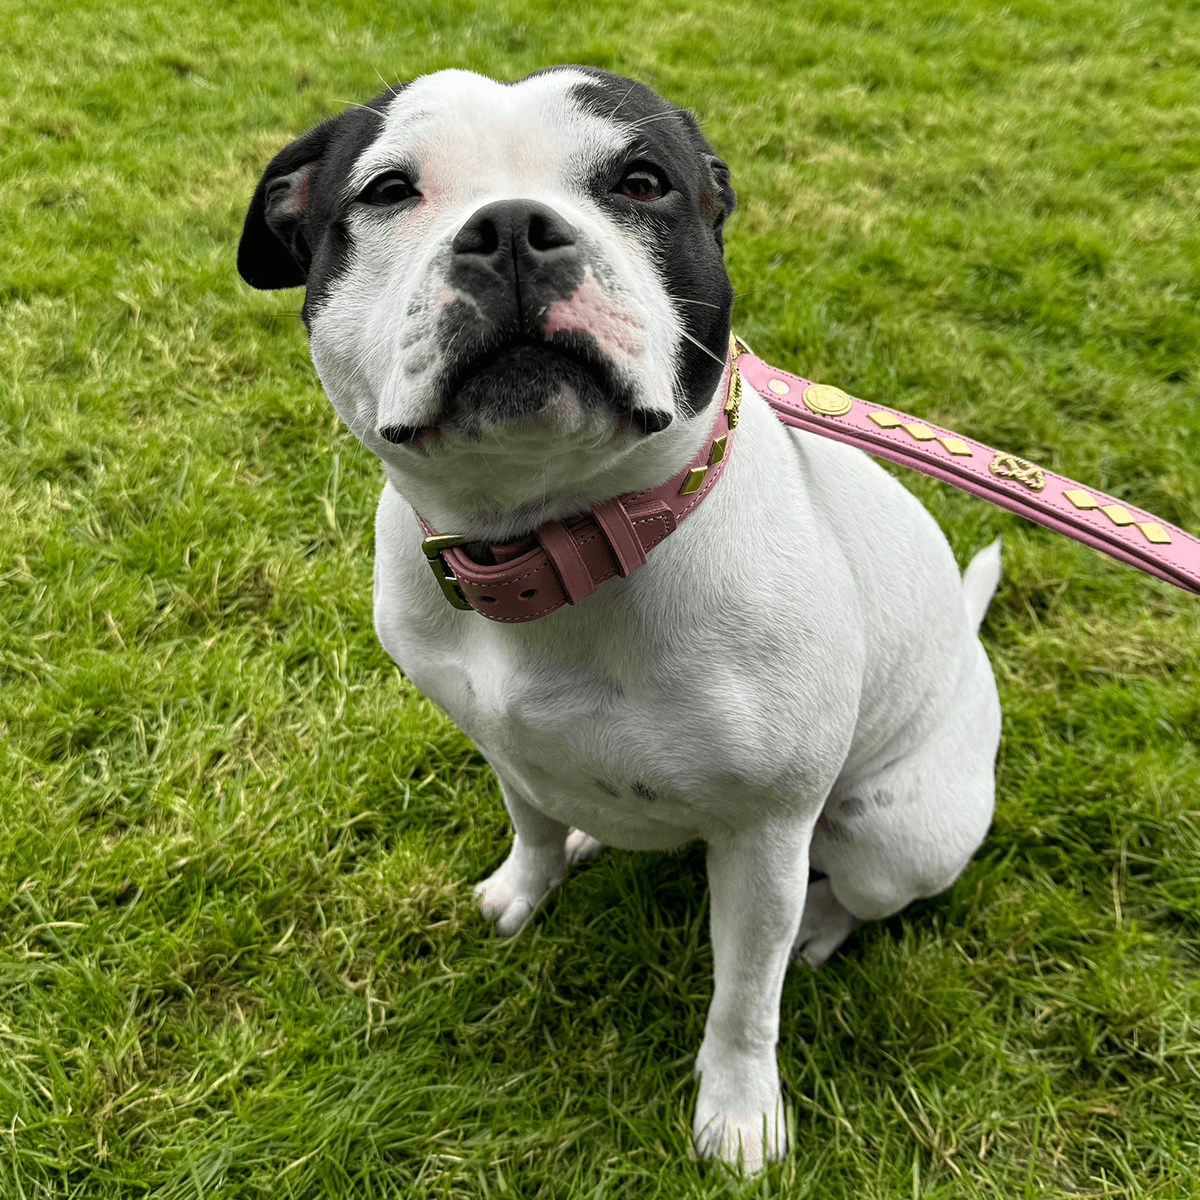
pixel 514 258
pixel 398 435
pixel 516 229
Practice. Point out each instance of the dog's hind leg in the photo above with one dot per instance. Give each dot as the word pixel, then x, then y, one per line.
pixel 907 830
pixel 904 832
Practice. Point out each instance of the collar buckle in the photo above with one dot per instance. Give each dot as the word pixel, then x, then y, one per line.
pixel 432 548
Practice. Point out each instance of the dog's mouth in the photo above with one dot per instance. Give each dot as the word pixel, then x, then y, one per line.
pixel 522 360
pixel 524 377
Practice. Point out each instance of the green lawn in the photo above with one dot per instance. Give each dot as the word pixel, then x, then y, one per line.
pixel 239 956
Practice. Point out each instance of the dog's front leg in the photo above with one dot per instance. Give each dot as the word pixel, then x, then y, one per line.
pixel 534 867
pixel 757 882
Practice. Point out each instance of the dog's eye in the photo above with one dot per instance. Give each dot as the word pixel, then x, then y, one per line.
pixel 642 183
pixel 392 187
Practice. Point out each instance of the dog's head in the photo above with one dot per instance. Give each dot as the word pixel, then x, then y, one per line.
pixel 515 293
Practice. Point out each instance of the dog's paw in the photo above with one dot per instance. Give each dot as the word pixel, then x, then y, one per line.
pixel 512 893
pixel 739 1111
pixel 581 845
pixel 748 1140
pixel 824 926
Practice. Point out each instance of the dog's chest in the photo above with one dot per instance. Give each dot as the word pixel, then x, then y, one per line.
pixel 595 749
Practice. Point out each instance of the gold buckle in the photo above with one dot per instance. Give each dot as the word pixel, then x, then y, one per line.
pixel 734 400
pixel 432 548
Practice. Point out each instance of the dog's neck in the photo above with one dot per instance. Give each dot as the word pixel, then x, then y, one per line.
pixel 500 490
pixel 561 562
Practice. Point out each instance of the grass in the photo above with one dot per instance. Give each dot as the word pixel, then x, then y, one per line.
pixel 238 952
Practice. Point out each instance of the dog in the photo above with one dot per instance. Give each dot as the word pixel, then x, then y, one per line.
pixel 515 297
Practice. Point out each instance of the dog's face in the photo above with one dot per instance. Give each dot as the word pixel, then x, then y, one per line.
pixel 515 293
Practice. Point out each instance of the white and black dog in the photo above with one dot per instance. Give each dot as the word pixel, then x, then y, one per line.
pixel 515 298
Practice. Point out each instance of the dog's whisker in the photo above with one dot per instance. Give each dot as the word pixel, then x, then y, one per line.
pixel 701 346
pixel 391 87
pixel 365 107
pixel 651 119
pixel 624 98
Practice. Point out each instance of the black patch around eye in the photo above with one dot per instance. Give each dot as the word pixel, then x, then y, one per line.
pixel 684 227
pixel 388 189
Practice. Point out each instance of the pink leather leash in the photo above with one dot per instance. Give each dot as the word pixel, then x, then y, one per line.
pixel 1084 514
pixel 564 561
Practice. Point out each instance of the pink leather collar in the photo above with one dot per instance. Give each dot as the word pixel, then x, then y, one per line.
pixel 564 561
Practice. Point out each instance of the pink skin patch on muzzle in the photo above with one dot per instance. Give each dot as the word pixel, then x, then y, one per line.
pixel 443 295
pixel 591 310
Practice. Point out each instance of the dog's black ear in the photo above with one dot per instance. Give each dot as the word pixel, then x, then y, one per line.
pixel 723 199
pixel 275 250
pixel 717 198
